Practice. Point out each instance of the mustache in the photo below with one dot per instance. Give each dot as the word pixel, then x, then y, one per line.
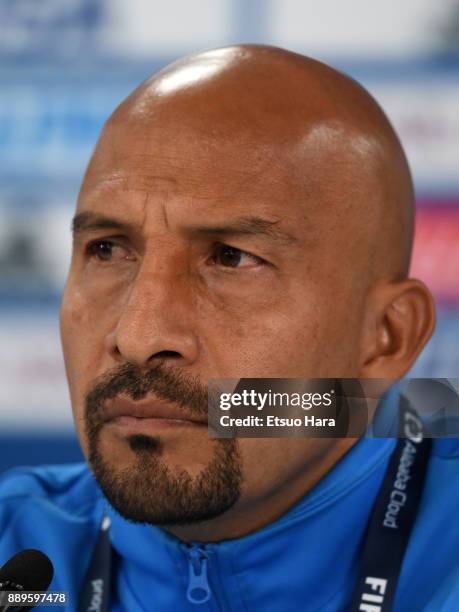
pixel 166 384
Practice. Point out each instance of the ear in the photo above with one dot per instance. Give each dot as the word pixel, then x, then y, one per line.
pixel 399 320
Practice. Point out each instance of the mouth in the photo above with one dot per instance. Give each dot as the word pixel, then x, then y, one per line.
pixel 147 416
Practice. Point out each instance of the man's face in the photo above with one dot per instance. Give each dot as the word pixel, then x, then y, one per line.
pixel 199 257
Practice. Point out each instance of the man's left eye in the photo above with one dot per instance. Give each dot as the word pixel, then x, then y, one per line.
pixel 230 257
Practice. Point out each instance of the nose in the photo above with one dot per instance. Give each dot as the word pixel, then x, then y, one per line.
pixel 156 322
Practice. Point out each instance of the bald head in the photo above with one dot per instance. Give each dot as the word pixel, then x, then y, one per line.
pixel 247 213
pixel 269 114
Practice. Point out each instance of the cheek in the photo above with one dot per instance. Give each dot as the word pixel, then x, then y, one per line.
pixel 269 335
pixel 82 337
pixel 282 332
pixel 76 326
pixel 86 318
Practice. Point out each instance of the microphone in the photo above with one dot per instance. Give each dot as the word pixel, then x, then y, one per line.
pixel 27 570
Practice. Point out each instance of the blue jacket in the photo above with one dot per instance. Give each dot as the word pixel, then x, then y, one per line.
pixel 304 561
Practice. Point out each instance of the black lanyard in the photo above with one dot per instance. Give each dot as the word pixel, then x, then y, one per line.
pixel 95 594
pixel 384 544
pixel 393 516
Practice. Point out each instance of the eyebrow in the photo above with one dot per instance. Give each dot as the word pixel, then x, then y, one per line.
pixel 89 221
pixel 248 226
pixel 241 226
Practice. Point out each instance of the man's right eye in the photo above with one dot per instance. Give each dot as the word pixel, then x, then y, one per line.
pixel 108 251
pixel 101 249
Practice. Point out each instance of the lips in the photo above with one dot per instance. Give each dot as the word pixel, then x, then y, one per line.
pixel 148 408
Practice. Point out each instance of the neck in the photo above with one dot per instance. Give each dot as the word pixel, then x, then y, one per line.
pixel 251 513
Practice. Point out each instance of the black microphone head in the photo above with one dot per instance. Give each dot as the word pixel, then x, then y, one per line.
pixel 29 568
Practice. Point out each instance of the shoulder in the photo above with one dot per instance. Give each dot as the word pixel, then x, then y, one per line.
pixel 70 487
pixel 442 473
pixel 56 509
pixel 446 448
pixel 441 498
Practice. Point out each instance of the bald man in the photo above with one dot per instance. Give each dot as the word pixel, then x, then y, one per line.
pixel 247 212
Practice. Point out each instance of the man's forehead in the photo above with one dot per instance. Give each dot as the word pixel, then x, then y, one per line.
pixel 135 200
pixel 203 178
pixel 176 149
pixel 246 177
pixel 209 187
